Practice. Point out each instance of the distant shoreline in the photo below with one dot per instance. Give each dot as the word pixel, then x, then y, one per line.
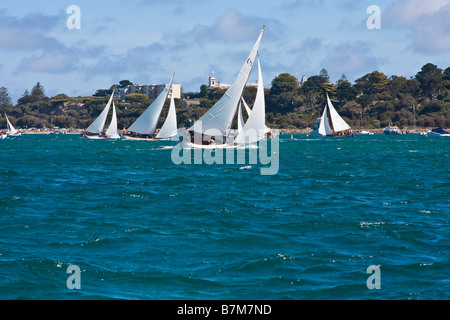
pixel 282 131
pixel 374 131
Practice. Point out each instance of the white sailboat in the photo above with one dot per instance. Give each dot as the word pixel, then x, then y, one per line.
pixel 339 128
pixel 269 131
pixel 255 128
pixel 392 130
pixel 112 133
pixel 144 128
pixel 11 130
pixel 96 129
pixel 213 129
pixel 169 128
pixel 240 121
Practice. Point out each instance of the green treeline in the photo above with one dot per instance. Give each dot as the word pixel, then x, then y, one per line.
pixel 373 101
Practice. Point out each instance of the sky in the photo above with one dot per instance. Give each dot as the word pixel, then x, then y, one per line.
pixel 146 41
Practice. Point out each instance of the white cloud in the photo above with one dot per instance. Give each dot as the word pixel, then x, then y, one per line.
pixel 352 59
pixel 427 21
pixel 49 62
pixel 232 25
pixel 27 33
pixel 411 12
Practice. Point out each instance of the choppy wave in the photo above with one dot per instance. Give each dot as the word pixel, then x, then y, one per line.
pixel 140 227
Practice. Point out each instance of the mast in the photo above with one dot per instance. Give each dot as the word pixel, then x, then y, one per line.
pixel 218 119
pixel 255 127
pixel 169 128
pixel 112 130
pixel 336 120
pixel 97 126
pixel 147 121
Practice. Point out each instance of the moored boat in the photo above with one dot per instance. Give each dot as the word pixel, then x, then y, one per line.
pixel 366 133
pixel 392 130
pixel 315 130
pixel 441 132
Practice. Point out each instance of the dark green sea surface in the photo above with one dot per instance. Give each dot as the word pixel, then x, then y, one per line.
pixel 140 227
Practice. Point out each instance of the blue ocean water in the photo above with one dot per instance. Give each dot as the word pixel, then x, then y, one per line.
pixel 140 227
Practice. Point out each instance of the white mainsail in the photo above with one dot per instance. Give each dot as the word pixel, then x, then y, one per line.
pixel 338 123
pixel 11 129
pixel 97 126
pixel 169 128
pixel 240 121
pixel 147 122
pixel 112 130
pixel 249 111
pixel 324 126
pixel 218 120
pixel 255 127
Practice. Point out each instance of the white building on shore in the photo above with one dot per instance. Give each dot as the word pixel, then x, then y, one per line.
pixel 151 90
pixel 214 84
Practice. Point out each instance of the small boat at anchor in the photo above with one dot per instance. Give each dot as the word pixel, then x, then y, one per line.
pixel 441 132
pixel 392 130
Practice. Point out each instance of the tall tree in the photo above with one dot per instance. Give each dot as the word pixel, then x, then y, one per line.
pixel 38 92
pixel 396 86
pixel 430 79
pixel 345 91
pixel 5 99
pixel 26 98
pixel 371 83
pixel 283 93
pixel 324 75
pixel 284 83
pixel 446 81
pixel 124 83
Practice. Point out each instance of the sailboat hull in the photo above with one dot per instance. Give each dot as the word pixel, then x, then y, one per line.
pixel 141 139
pixel 342 134
pixel 315 133
pixel 93 137
pixel 98 137
pixel 189 145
